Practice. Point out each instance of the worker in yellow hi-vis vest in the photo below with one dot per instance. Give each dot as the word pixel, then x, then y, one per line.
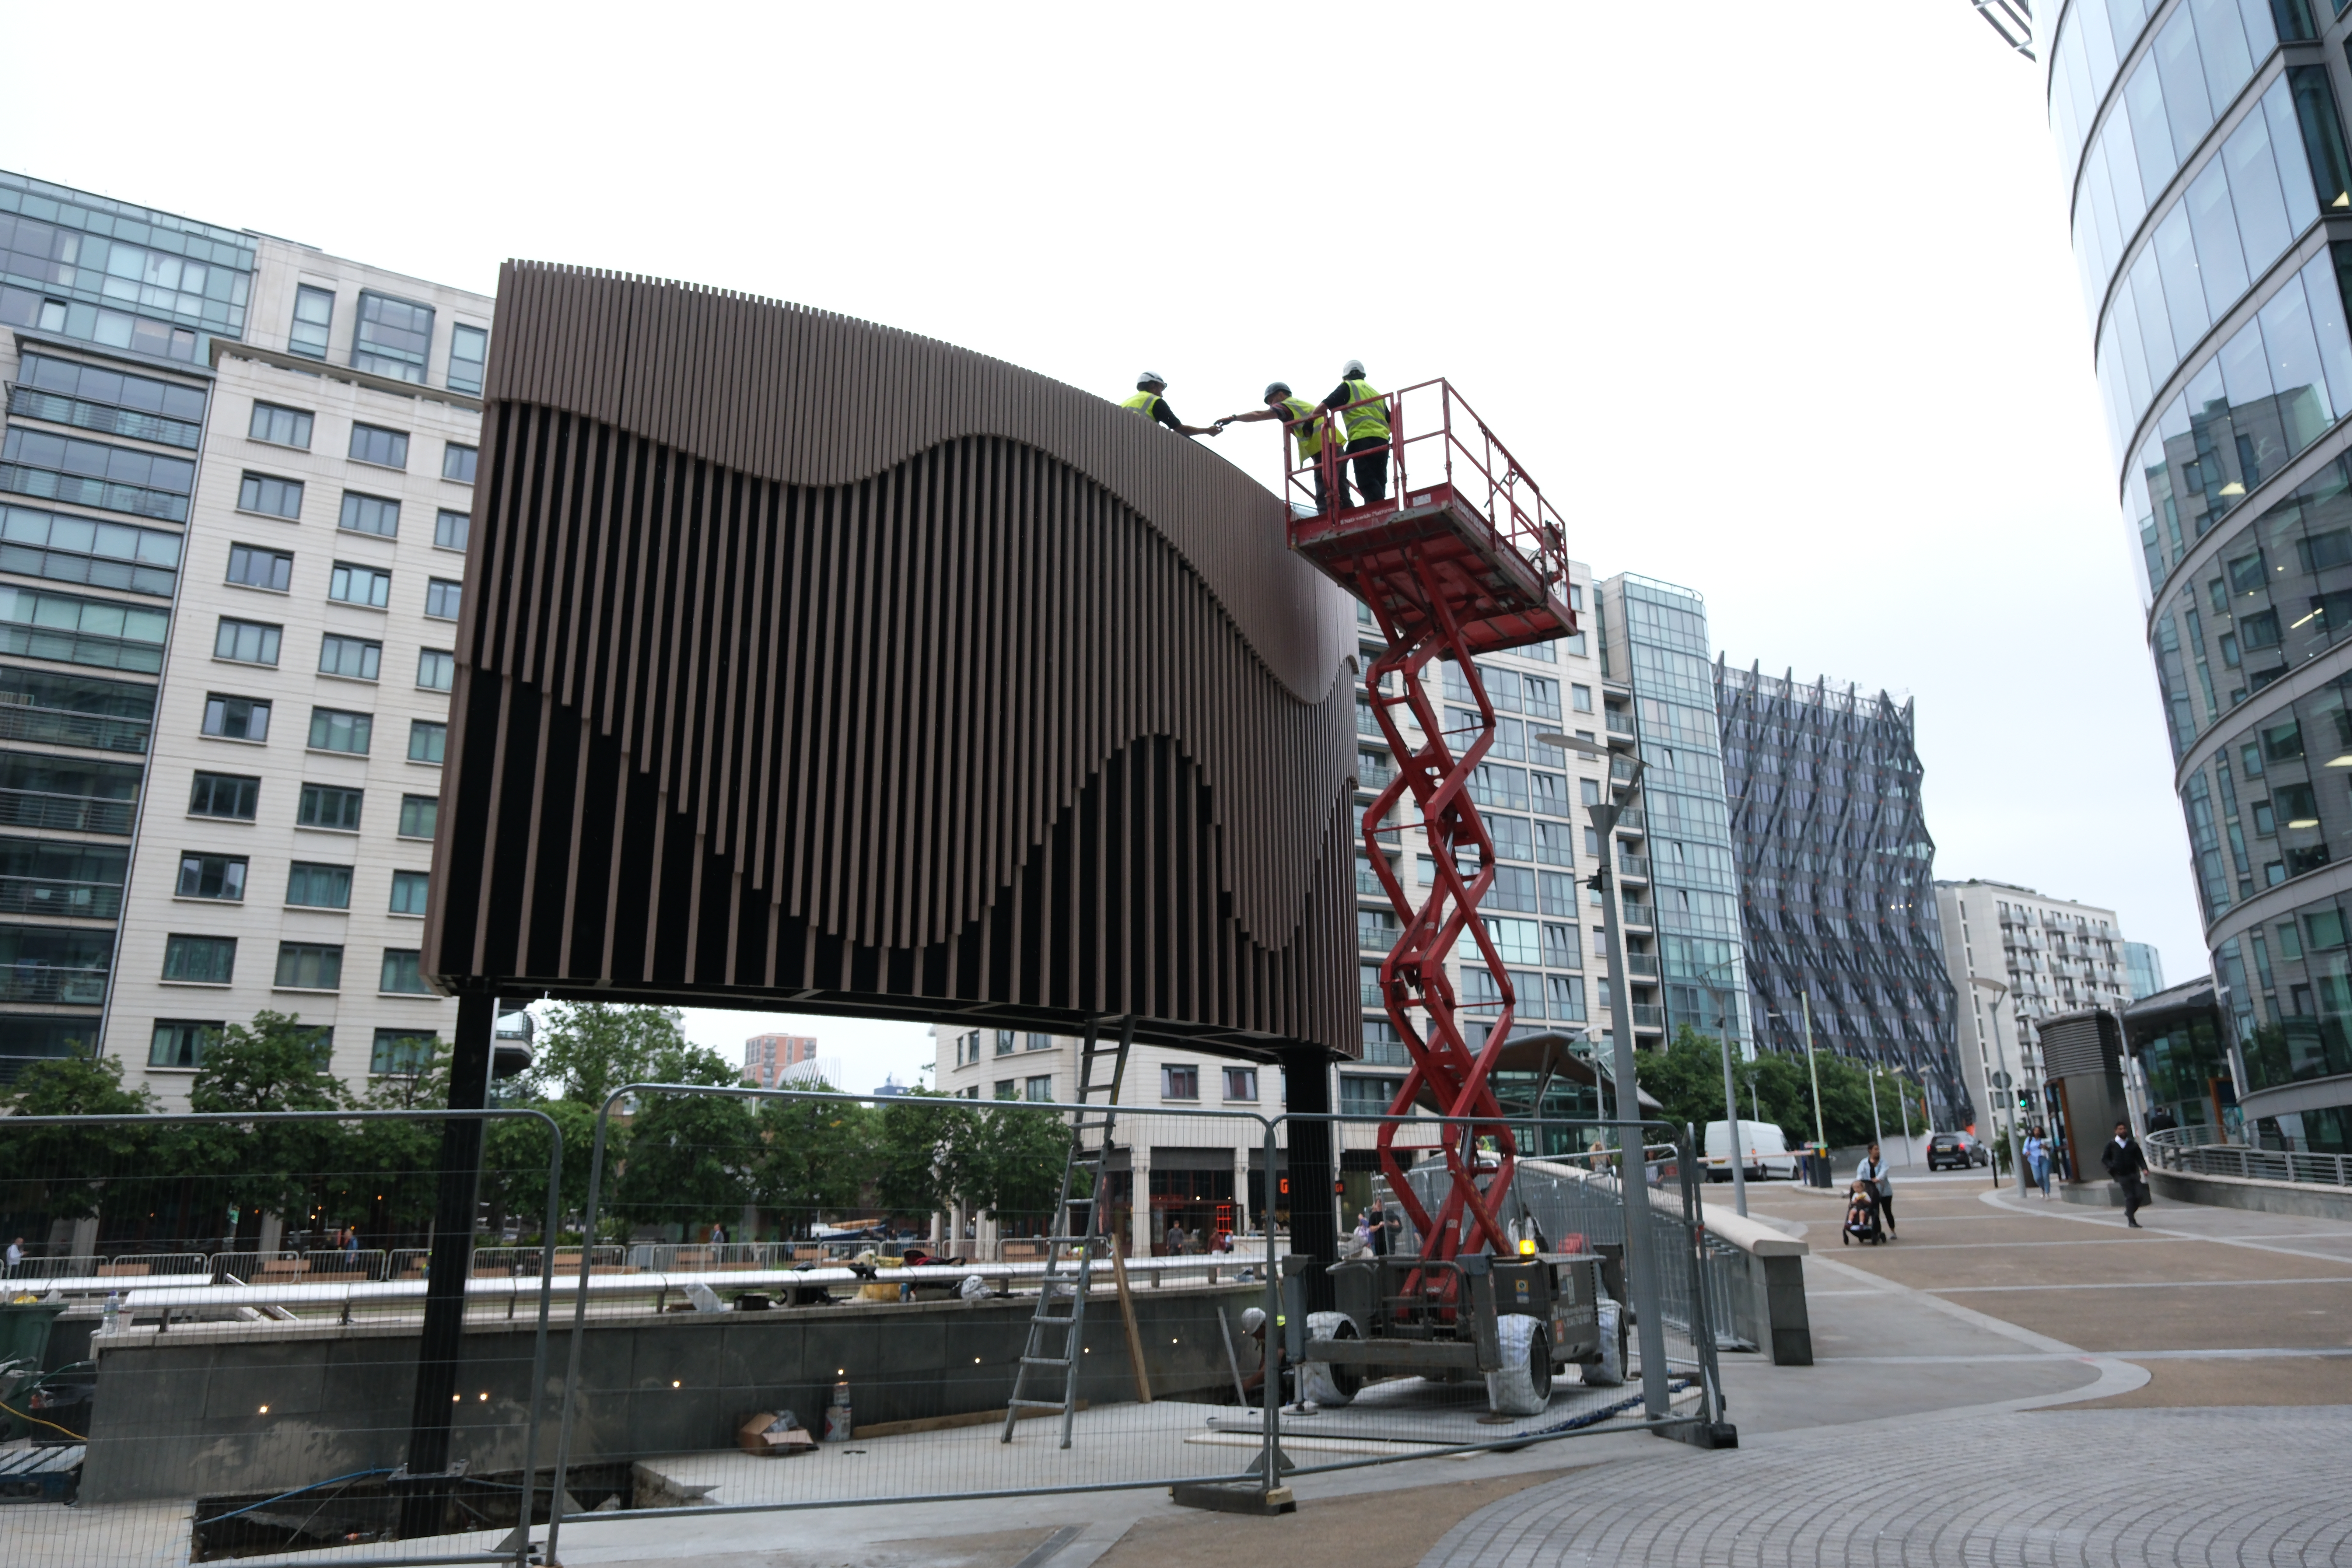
pixel 1366 431
pixel 1149 403
pixel 1298 418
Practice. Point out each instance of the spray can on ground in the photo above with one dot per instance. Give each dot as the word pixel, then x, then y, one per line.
pixel 837 1426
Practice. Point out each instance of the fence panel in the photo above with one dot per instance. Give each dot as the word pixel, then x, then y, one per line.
pixel 273 1387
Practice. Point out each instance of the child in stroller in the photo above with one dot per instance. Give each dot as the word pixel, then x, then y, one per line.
pixel 1862 1217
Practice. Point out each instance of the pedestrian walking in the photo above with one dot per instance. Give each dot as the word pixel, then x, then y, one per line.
pixel 2037 1160
pixel 1175 1239
pixel 1872 1173
pixel 2125 1165
pixel 15 1257
pixel 1363 1233
pixel 1378 1220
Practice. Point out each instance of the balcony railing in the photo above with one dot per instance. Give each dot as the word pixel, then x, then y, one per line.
pixel 40 982
pixel 73 813
pixel 1620 770
pixel 1633 822
pixel 2183 1149
pixel 76 900
pixel 1645 965
pixel 1634 866
pixel 1649 1015
pixel 1639 915
pixel 59 728
pixel 1619 724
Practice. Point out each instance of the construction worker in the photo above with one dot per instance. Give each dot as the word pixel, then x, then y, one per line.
pixel 1148 402
pixel 1366 431
pixel 1297 417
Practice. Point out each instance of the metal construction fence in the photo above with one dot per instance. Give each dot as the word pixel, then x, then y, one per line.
pixel 760 1299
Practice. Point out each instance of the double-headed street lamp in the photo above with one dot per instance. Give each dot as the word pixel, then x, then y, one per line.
pixel 2016 1156
pixel 1641 1265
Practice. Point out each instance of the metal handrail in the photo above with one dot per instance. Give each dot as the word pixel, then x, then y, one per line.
pixel 74 813
pixel 2204 1152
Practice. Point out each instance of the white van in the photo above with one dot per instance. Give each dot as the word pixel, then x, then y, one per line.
pixel 1765 1152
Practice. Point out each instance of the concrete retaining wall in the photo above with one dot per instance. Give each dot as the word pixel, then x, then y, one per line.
pixel 2311 1200
pixel 181 1414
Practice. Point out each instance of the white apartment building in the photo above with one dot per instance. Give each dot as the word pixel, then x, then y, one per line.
pixel 286 832
pixel 1535 801
pixel 2054 957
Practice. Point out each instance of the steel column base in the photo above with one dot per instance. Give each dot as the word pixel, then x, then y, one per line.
pixel 1234 1497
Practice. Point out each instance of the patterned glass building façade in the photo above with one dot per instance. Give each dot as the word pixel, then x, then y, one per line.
pixel 1837 873
pixel 2208 185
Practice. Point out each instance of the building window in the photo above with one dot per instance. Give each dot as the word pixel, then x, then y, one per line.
pixel 1241 1083
pixel 383 448
pixel 225 794
pixel 324 806
pixel 409 891
pixel 218 877
pixel 450 528
pixel 1581 697
pixel 200 959
pixel 236 718
pixel 1366 1095
pixel 249 567
pixel 271 497
pixel 392 336
pixel 378 515
pixel 315 887
pixel 1005 1038
pixel 309 966
pixel 314 311
pixel 400 973
pixel 469 347
pixel 181 1042
pixel 246 642
pixel 1007 1089
pixel 92 473
pixel 402 1052
pixel 354 658
pixel 1543 696
pixel 1179 1083
pixel 443 598
pixel 336 730
pixel 1041 1042
pixel 427 741
pixel 281 426
pixel 419 814
pixel 1560 950
pixel 1038 1089
pixel 457 462
pixel 437 669
pixel 367 585
pixel 67 392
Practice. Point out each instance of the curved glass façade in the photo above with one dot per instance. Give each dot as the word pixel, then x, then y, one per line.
pixel 2204 148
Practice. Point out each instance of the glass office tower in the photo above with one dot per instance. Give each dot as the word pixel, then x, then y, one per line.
pixel 1683 952
pixel 2203 154
pixel 1838 878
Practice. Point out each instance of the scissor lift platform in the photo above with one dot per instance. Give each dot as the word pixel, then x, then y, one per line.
pixel 1388 552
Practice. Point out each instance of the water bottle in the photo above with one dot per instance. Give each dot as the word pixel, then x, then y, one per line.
pixel 112 1311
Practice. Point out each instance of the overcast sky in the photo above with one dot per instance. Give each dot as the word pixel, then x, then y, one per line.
pixel 1775 303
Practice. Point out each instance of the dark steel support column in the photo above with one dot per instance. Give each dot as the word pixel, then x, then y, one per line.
pixel 424 1504
pixel 1314 1207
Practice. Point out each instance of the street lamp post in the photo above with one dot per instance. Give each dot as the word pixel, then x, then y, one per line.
pixel 1730 1109
pixel 1820 1138
pixel 1633 1176
pixel 2016 1156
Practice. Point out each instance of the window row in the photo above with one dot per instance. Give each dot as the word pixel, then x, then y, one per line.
pixel 111 402
pixel 308 884
pixel 969 1046
pixel 390 337
pixel 353 658
pixel 301 966
pixel 201 283
pixel 95 474
pixel 348 583
pixel 2239 215
pixel 35 623
pixel 270 495
pixel 184 1043
pixel 1182 1081
pixel 331 729
pixel 2268 394
pixel 1537 943
pixel 68 549
pixel 277 424
pixel 237 797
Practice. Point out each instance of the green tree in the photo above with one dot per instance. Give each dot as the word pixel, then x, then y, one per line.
pixel 814 1157
pixel 1018 1171
pixel 65 1173
pixel 690 1159
pixel 272 1064
pixel 514 1162
pixel 587 1050
pixel 924 1146
pixel 1686 1078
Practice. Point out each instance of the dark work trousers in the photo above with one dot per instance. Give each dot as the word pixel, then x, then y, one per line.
pixel 1370 456
pixel 1327 474
pixel 1886 1210
pixel 2134 1195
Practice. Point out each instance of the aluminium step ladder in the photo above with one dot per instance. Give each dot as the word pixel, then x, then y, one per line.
pixel 1057 1328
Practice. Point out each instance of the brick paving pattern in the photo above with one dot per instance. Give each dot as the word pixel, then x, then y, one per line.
pixel 2044 1489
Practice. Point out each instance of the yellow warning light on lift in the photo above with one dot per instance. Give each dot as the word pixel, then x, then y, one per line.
pixel 1527 1246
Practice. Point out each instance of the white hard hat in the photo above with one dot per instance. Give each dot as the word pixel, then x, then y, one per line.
pixel 1352 369
pixel 1253 1320
pixel 1150 376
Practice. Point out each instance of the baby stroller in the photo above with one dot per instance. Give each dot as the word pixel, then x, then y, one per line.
pixel 1862 1219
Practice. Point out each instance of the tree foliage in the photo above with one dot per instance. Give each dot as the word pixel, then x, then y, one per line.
pixel 1686 1078
pixel 691 1159
pixel 65 1171
pixel 586 1050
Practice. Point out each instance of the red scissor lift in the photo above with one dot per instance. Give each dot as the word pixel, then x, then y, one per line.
pixel 1463 557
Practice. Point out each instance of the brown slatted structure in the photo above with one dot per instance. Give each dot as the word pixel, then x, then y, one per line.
pixel 810 664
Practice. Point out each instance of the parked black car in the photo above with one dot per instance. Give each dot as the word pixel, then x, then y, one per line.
pixel 1956 1149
